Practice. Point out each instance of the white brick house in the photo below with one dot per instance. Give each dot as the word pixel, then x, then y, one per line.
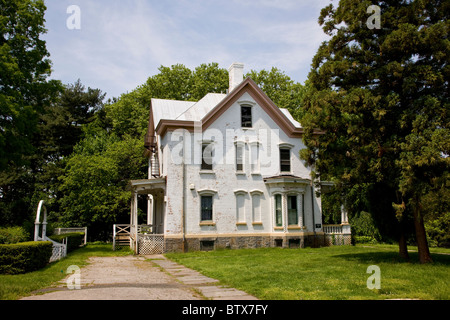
pixel 225 172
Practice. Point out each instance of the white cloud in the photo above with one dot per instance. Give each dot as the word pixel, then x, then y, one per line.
pixel 121 44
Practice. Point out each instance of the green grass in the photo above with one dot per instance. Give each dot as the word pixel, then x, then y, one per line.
pixel 13 287
pixel 323 273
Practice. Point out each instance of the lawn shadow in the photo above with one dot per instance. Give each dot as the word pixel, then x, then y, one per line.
pixel 375 257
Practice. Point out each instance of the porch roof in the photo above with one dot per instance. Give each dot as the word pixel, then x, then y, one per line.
pixel 146 186
pixel 284 178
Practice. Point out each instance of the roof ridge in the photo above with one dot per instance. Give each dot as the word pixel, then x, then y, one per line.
pixel 193 106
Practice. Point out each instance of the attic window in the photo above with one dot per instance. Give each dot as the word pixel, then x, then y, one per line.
pixel 246 116
pixel 285 160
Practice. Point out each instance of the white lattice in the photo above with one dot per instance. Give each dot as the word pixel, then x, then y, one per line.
pixel 338 239
pixel 58 251
pixel 151 244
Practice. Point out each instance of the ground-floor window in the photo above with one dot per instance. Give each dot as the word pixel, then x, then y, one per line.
pixel 207 208
pixel 278 211
pixel 292 210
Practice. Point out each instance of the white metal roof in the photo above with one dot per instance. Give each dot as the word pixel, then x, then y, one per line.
pixel 169 109
pixel 289 116
pixel 202 107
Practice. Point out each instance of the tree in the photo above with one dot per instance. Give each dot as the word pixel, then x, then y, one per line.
pixel 25 92
pixel 280 88
pixel 24 68
pixel 95 180
pixel 381 97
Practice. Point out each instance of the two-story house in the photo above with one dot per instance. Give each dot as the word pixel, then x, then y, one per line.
pixel 225 172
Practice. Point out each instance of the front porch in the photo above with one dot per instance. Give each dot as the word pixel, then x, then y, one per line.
pixel 148 237
pixel 141 239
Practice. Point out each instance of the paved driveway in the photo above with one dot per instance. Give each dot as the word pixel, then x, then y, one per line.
pixel 138 278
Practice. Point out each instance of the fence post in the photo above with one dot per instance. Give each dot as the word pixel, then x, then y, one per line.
pixel 114 237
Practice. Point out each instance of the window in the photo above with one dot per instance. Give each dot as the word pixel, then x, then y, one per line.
pixel 207 156
pixel 278 211
pixel 285 160
pixel 207 208
pixel 239 157
pixel 292 210
pixel 246 116
pixel 207 245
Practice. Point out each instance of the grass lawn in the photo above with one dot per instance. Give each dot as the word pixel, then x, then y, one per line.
pixel 13 287
pixel 323 273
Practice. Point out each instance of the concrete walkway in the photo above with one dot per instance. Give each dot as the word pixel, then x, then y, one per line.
pixel 139 278
pixel 206 286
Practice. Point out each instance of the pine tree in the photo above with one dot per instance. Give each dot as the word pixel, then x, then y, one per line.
pixel 379 90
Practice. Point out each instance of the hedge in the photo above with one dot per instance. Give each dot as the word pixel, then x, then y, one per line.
pixel 24 257
pixel 10 235
pixel 74 241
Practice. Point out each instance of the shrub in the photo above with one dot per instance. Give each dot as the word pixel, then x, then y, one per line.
pixel 364 227
pixel 13 235
pixel 24 256
pixel 365 239
pixel 74 239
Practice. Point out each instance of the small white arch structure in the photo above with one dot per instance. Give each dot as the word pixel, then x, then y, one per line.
pixel 59 249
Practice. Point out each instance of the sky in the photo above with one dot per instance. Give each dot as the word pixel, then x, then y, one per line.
pixel 115 45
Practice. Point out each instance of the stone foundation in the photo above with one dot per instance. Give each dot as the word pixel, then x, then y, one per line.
pixel 244 242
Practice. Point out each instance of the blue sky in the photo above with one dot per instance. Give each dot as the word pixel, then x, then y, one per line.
pixel 121 43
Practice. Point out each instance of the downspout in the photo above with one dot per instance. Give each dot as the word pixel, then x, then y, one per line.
pixel 183 211
pixel 313 218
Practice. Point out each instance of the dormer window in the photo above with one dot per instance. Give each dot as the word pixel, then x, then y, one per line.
pixel 246 116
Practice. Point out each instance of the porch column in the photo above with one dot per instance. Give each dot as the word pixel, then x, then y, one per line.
pixel 150 209
pixel 344 215
pixel 284 210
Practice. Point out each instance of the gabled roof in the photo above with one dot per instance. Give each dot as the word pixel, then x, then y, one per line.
pixel 202 107
pixel 182 114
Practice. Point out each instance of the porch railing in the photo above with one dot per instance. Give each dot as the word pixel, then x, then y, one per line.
pixel 141 238
pixel 332 228
pixel 337 234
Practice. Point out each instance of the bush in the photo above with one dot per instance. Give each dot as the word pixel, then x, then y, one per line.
pixel 13 235
pixel 364 227
pixel 24 256
pixel 74 239
pixel 365 239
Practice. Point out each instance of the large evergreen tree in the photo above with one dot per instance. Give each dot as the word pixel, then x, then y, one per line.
pixel 381 97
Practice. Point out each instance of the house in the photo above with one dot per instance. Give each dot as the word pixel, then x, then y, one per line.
pixel 225 172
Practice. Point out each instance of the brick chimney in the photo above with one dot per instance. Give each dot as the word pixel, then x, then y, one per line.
pixel 236 75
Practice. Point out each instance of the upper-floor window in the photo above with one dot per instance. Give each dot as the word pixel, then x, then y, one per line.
pixel 285 160
pixel 246 116
pixel 239 157
pixel 207 156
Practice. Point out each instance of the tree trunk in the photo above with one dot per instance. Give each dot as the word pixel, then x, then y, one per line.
pixel 403 249
pixel 421 236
